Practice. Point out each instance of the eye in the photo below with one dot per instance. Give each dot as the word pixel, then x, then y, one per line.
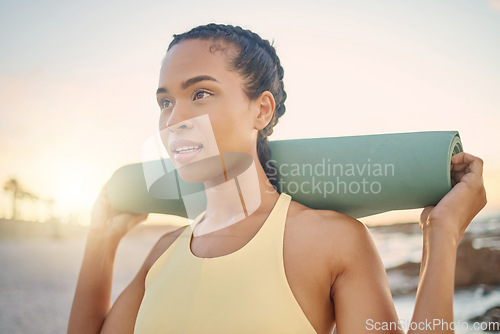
pixel 201 94
pixel 165 104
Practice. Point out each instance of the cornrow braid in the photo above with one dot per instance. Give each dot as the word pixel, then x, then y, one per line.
pixel 259 66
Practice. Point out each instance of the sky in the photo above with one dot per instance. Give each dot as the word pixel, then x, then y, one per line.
pixel 78 78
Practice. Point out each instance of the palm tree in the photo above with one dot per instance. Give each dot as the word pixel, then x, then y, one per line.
pixel 12 185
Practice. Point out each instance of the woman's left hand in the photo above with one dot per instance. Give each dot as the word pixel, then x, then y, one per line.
pixel 462 203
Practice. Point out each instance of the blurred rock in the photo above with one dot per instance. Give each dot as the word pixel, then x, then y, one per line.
pixel 490 319
pixel 403 279
pixel 476 266
pixel 484 290
pixel 406 228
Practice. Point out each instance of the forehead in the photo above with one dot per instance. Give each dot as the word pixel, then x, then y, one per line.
pixel 193 57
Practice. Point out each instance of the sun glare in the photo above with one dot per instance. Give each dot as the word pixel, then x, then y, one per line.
pixel 76 190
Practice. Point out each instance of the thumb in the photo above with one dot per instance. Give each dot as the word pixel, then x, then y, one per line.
pixel 425 215
pixel 126 221
pixel 142 217
pixel 136 219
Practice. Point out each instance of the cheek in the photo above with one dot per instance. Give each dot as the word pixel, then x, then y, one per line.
pixel 162 121
pixel 232 123
pixel 232 134
pixel 161 124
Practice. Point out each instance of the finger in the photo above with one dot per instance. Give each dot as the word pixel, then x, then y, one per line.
pixel 457 175
pixel 463 160
pixel 103 193
pixel 458 158
pixel 425 214
pixel 476 167
pixel 459 166
pixel 140 218
pixel 456 178
pixel 134 219
pixel 104 189
pixel 102 200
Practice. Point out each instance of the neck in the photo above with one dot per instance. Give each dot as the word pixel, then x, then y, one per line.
pixel 236 199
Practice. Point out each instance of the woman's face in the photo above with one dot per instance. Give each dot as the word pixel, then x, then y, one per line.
pixel 204 110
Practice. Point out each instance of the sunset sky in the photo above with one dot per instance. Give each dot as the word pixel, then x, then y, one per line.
pixel 78 78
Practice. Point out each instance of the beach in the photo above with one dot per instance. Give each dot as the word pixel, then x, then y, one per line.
pixel 39 276
pixel 40 271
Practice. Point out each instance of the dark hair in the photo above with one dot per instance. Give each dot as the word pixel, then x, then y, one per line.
pixel 259 66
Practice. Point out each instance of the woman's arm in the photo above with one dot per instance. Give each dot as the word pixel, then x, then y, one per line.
pixel 92 298
pixel 360 290
pixel 443 227
pixel 433 311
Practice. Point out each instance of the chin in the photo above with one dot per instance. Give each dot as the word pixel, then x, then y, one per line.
pixel 201 171
pixel 211 169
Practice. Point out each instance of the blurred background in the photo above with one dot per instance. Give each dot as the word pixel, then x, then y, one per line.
pixel 77 86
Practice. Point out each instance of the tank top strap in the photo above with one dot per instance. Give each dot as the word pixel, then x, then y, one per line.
pixel 278 213
pixel 272 232
pixel 268 240
pixel 277 217
pixel 196 220
pixel 266 244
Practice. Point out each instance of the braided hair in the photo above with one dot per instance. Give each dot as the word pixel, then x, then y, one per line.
pixel 258 64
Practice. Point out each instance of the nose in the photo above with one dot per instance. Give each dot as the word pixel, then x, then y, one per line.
pixel 178 120
pixel 183 125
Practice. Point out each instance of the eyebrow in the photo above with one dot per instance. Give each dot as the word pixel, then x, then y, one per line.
pixel 190 82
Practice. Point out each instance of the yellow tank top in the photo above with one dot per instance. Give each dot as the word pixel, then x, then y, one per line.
pixel 242 292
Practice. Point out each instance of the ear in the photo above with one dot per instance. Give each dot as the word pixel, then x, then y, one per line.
pixel 265 106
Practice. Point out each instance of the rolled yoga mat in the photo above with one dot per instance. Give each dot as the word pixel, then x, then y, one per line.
pixel 355 175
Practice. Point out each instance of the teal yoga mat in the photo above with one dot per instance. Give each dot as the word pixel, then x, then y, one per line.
pixel 355 175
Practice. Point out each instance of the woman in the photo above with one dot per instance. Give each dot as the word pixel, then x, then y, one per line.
pixel 247 273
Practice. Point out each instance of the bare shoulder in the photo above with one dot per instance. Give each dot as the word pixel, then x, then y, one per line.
pixel 325 221
pixel 344 265
pixel 338 236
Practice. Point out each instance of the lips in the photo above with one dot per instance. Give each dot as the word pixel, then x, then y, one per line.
pixel 183 146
